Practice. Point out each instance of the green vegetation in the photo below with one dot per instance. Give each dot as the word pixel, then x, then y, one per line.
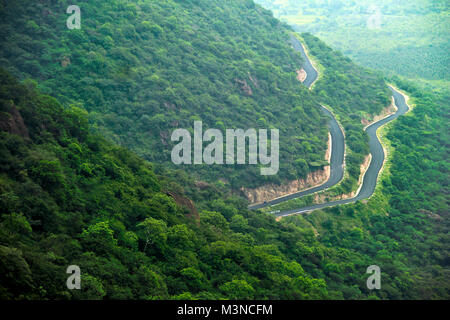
pixel 70 195
pixel 144 68
pixel 404 227
pixel 353 93
pixel 413 38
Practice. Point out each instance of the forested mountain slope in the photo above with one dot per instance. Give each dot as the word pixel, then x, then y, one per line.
pixel 404 226
pixel 138 70
pixel 68 197
pixel 145 68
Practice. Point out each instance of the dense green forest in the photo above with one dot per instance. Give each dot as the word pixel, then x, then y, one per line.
pixel 70 197
pixel 404 227
pixel 145 68
pixel 86 178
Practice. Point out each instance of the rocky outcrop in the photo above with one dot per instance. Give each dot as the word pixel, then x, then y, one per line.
pixel 185 203
pixel 65 62
pixel 253 80
pixel 431 215
pixel 391 109
pixel 164 135
pixel 244 87
pixel 322 197
pixel 272 191
pixel 12 122
pixel 202 185
pixel 301 75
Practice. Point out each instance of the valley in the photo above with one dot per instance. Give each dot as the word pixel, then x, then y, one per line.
pixel 90 190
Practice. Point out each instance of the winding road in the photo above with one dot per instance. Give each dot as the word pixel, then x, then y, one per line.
pixel 311 72
pixel 338 147
pixel 337 140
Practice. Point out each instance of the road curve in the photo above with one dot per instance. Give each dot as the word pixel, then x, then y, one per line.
pixel 337 140
pixel 338 147
pixel 376 149
pixel 311 72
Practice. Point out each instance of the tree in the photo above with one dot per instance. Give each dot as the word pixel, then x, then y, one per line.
pixel 151 284
pixel 16 274
pixel 91 288
pixel 153 233
pixel 237 290
pixel 194 279
pixel 99 238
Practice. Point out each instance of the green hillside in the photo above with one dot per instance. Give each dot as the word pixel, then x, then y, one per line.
pixel 142 69
pixel 86 177
pixel 353 93
pixel 70 197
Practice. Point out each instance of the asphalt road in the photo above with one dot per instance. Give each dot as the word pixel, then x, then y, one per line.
pixel 337 140
pixel 311 73
pixel 338 146
pixel 370 178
